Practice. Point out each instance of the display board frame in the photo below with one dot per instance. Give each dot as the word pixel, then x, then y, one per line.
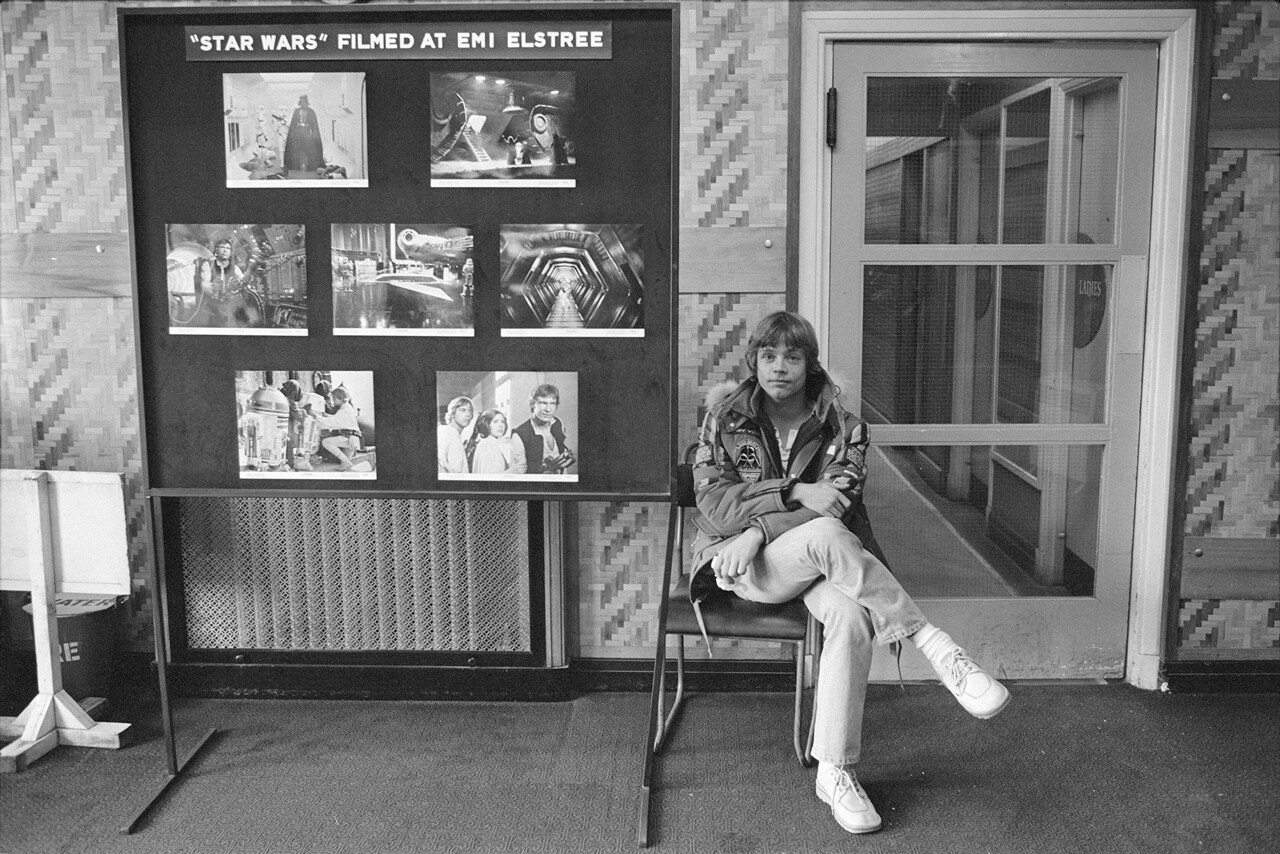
pixel 595 207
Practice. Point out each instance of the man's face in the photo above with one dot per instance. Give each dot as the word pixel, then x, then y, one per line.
pixel 781 372
pixel 544 409
pixel 462 415
pixel 223 251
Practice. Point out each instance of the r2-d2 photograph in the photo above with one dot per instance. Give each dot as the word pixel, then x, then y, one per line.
pixel 306 424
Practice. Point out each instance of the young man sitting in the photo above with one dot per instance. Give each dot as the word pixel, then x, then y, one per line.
pixel 779 475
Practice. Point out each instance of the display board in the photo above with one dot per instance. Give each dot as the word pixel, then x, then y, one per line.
pixel 405 250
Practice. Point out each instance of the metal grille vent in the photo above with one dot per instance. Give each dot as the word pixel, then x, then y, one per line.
pixel 355 574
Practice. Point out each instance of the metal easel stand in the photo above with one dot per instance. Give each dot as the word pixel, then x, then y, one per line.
pixel 160 629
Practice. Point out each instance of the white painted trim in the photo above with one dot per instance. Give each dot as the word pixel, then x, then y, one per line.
pixel 1174 30
pixel 1158 428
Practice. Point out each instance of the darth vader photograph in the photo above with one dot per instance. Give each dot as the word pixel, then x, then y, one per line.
pixel 306 129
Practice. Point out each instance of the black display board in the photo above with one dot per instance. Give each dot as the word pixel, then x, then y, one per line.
pixel 581 211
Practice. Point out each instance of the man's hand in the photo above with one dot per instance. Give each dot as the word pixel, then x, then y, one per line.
pixel 735 558
pixel 823 497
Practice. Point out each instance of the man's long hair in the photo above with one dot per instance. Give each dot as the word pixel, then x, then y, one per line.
pixel 786 331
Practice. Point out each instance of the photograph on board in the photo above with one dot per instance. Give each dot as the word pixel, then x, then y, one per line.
pixel 306 425
pixel 503 129
pixel 227 279
pixel 572 280
pixel 396 279
pixel 507 425
pixel 303 128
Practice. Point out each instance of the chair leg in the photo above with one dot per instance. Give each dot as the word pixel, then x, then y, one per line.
pixel 815 634
pixel 666 723
pixel 798 714
pixel 660 692
pixel 652 737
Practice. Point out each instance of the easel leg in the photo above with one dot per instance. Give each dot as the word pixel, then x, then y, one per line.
pixel 160 629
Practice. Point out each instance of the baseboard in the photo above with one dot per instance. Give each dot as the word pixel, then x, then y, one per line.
pixel 369 682
pixel 337 681
pixel 135 671
pixel 701 675
pixel 1223 677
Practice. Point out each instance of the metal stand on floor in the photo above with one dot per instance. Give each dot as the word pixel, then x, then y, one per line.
pixel 160 629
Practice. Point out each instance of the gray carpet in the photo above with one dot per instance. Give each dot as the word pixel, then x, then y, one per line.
pixel 1068 768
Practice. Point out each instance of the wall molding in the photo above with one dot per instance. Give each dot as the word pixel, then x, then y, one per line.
pixel 82 264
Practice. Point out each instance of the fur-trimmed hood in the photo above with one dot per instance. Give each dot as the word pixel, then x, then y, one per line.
pixel 742 395
pixel 719 393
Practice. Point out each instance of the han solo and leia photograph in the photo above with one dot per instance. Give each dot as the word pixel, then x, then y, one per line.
pixel 304 128
pixel 397 279
pixel 507 425
pixel 503 129
pixel 306 424
pixel 226 279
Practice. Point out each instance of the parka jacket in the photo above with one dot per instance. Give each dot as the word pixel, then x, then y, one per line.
pixel 739 479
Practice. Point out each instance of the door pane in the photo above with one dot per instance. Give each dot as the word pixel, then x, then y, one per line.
pixel 970 522
pixel 986 344
pixel 969 159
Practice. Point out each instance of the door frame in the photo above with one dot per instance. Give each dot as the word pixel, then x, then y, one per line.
pixel 1174 30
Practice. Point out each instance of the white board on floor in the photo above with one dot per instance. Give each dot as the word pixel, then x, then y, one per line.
pixel 86 523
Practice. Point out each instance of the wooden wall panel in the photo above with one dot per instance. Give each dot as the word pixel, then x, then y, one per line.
pixel 1229 595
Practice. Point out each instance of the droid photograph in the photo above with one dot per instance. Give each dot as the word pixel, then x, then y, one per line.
pixel 572 281
pixel 304 128
pixel 396 279
pixel 499 129
pixel 507 425
pixel 227 279
pixel 306 424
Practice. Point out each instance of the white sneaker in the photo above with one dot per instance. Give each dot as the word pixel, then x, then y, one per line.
pixel 852 809
pixel 979 694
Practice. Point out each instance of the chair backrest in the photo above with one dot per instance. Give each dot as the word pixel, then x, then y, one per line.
pixel 685 496
pixel 684 485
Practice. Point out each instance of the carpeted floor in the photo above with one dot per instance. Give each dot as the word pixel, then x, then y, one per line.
pixel 1068 768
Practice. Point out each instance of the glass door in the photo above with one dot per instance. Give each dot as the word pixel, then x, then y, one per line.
pixel 989 229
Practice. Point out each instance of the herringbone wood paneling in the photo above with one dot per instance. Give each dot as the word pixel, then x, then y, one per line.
pixel 733 113
pixel 1233 473
pixel 621 544
pixel 1233 487
pixel 68 376
pixel 1246 40
pixel 62 156
pixel 1206 626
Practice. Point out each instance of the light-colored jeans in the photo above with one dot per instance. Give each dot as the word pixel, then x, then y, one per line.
pixel 856 598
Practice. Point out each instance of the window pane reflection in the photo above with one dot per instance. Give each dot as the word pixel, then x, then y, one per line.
pixel 971 522
pixel 1008 344
pixel 968 160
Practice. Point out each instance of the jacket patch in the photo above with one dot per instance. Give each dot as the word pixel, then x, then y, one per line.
pixel 702 456
pixel 750 459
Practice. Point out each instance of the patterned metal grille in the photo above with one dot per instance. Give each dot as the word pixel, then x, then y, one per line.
pixel 355 574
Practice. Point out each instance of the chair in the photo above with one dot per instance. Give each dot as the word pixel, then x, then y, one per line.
pixel 724 616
